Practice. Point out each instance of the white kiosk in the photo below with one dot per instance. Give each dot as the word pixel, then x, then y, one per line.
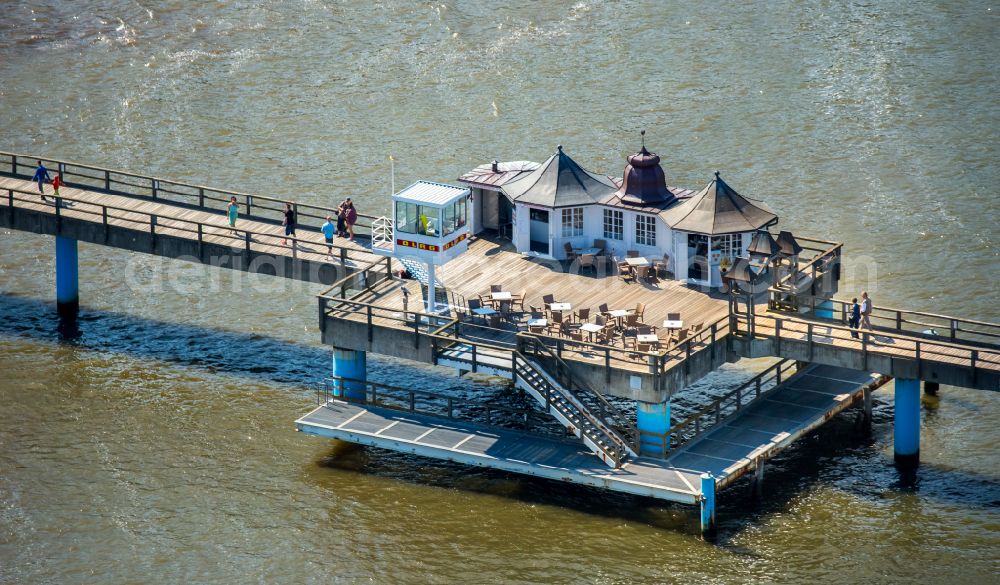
pixel 429 225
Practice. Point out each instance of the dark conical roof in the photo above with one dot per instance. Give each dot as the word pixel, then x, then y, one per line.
pixel 719 209
pixel 559 182
pixel 763 244
pixel 643 182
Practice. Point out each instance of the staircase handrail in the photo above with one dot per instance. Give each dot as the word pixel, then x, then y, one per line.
pixel 621 430
pixel 619 453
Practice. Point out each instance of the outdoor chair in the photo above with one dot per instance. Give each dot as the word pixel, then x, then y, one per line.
pixel 555 322
pixel 576 335
pixel 625 271
pixel 548 300
pixel 645 347
pixel 518 299
pixel 600 245
pixel 663 266
pixel 673 316
pixel 582 315
pixel 570 252
pixel 605 311
pixel 587 261
pixel 632 254
pixel 496 288
pixel 640 310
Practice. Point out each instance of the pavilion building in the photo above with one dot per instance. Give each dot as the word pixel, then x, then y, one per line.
pixel 545 209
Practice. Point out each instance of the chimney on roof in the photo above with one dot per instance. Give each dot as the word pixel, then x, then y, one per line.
pixel 496 166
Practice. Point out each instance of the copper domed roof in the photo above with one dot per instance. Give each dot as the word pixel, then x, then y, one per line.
pixel 643 182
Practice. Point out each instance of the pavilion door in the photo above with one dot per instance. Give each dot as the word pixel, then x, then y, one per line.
pixel 698 258
pixel 539 231
pixel 504 216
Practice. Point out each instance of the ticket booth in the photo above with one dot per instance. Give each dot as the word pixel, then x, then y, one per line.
pixel 429 225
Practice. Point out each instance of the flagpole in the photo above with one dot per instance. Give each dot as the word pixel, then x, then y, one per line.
pixel 392 174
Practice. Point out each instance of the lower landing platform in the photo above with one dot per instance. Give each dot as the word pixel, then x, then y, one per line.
pixel 513 451
pixel 737 445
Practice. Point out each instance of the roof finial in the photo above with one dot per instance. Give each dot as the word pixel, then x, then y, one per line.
pixel 559 148
pixel 643 134
pixel 716 175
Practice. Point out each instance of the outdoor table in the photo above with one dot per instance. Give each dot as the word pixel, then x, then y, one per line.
pixel 619 314
pixel 640 261
pixel 540 322
pixel 591 329
pixel 560 307
pixel 501 296
pixel 649 338
pixel 594 251
pixel 484 311
pixel 668 324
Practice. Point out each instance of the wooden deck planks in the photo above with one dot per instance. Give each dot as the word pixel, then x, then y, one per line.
pixel 177 221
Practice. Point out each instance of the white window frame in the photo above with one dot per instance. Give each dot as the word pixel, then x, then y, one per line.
pixel 645 230
pixel 730 245
pixel 572 222
pixel 614 224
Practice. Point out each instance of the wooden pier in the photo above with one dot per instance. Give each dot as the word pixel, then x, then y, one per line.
pixel 178 220
pixel 579 383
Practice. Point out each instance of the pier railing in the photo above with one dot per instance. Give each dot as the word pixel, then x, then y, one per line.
pixel 436 404
pixel 83 176
pixel 443 331
pixel 920 323
pixel 720 409
pixel 112 216
pixel 921 349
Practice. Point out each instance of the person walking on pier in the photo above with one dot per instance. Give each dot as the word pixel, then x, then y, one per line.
pixel 41 176
pixel 350 216
pixel 866 311
pixel 234 209
pixel 328 230
pixel 289 223
pixel 854 321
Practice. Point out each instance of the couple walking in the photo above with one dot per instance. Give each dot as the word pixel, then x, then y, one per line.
pixel 860 314
pixel 42 176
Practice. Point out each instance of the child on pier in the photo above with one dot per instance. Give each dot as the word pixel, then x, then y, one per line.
pixel 233 211
pixel 328 230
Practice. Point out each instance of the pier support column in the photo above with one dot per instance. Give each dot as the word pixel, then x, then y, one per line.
pixel 757 483
pixel 654 418
pixel 707 504
pixel 67 277
pixel 349 363
pixel 867 420
pixel 931 388
pixel 824 309
pixel 906 423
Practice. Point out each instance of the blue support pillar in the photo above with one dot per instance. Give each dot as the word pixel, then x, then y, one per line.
pixel 348 363
pixel 707 503
pixel 906 422
pixel 67 277
pixel 824 309
pixel 653 417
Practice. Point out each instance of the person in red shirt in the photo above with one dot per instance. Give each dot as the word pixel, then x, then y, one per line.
pixel 56 183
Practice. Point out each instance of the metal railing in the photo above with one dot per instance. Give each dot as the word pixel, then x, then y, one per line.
pixel 720 409
pixel 83 176
pixel 617 423
pixel 382 233
pixel 434 404
pixel 788 330
pixel 155 224
pixel 918 323
pixel 598 436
